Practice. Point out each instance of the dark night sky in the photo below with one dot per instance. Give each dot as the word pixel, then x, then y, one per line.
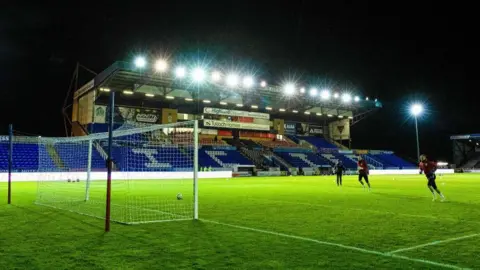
pixel 394 51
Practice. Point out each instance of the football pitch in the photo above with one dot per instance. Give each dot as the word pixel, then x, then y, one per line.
pixel 261 223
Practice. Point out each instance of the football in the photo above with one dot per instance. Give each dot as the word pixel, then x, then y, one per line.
pixel 179 196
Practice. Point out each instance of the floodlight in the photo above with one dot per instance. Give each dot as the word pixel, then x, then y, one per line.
pixel 268 108
pixel 289 89
pixel 206 101
pixel 248 81
pixel 128 92
pixel 223 103
pixel 346 98
pixel 263 84
pixel 254 107
pixel 232 80
pixel 336 95
pixel 281 110
pixel 140 62
pixel 350 117
pixel 216 76
pixel 169 97
pixel 198 74
pixel 340 116
pixel 188 99
pixel 180 72
pixel 302 90
pixel 366 99
pixel 105 89
pixel 307 113
pixel 325 94
pixel 416 109
pixel 149 95
pixel 357 99
pixel 319 114
pixel 376 100
pixel 313 92
pixel 329 115
pixel 161 65
pixel 295 111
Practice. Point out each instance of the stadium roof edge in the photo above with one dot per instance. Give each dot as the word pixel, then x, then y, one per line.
pixel 465 137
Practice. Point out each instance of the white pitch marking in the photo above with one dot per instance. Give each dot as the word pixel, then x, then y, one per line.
pixel 336 245
pixel 435 243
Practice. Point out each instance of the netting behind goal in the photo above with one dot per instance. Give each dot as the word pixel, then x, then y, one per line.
pixel 152 175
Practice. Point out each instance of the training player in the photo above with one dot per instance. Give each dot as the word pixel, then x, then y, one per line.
pixel 429 168
pixel 363 171
pixel 338 170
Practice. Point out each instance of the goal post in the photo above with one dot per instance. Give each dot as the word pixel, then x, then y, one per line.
pixel 154 175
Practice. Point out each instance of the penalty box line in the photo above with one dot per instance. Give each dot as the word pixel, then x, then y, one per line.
pixel 363 250
pixel 434 243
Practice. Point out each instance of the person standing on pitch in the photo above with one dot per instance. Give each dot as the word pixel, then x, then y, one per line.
pixel 429 168
pixel 338 170
pixel 363 171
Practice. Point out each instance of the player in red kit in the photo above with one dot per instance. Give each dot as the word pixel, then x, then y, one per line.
pixel 429 168
pixel 363 171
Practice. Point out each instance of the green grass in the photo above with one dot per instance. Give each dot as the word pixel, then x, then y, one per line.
pixel 266 223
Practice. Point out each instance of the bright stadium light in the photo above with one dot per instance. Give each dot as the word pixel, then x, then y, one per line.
pixel 307 113
pixel 180 72
pixel 239 105
pixel 140 62
pixel 329 115
pixel 189 99
pixel 268 108
pixel 346 98
pixel 149 95
pixel 206 101
pixel 105 89
pixel 357 98
pixel 295 111
pixel 198 74
pixel 281 110
pixel 366 99
pixel 289 89
pixel 313 92
pixel 232 80
pixel 319 114
pixel 169 97
pixel 325 94
pixel 161 65
pixel 350 117
pixel 254 107
pixel 416 109
pixel 340 116
pixel 302 90
pixel 336 95
pixel 223 103
pixel 263 84
pixel 128 92
pixel 248 82
pixel 216 76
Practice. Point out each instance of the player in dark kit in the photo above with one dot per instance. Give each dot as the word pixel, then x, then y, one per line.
pixel 363 171
pixel 429 168
pixel 338 170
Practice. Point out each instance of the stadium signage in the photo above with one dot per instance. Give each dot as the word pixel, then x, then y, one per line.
pixel 146 118
pixel 314 130
pixel 219 111
pixel 290 128
pixel 82 90
pixel 234 125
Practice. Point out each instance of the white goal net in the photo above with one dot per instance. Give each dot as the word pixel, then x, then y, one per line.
pixel 153 175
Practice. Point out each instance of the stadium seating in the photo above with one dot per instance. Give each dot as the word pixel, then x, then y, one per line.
pixel 392 161
pixel 318 142
pixel 303 160
pixel 348 162
pixel 75 156
pixel 129 158
pixel 223 158
pixel 26 157
pixel 276 143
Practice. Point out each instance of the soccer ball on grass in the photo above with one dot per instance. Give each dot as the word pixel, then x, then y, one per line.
pixel 179 196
